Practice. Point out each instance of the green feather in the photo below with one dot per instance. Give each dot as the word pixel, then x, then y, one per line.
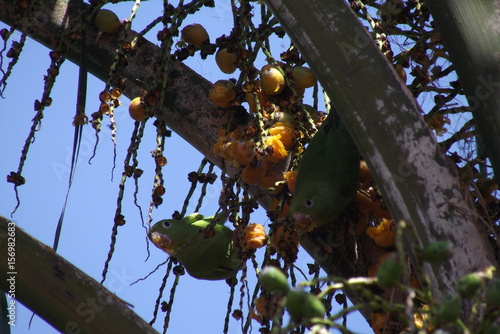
pixel 210 258
pixel 327 178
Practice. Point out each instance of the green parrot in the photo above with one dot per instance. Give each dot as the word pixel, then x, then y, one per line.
pixel 327 178
pixel 209 258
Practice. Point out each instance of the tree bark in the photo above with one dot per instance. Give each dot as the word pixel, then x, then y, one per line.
pixel 57 291
pixel 386 124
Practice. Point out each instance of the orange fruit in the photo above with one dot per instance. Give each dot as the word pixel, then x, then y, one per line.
pixel 253 173
pixel 272 80
pixel 286 133
pixel 137 109
pixel 255 236
pixel 195 34
pixel 384 234
pixel 222 93
pixel 227 61
pixel 303 77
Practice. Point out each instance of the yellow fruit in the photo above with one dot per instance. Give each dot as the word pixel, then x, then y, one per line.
pixel 286 133
pixel 384 234
pixel 137 109
pixel 107 21
pixel 303 77
pixel 253 173
pixel 195 34
pixel 270 179
pixel 277 151
pixel 243 152
pixel 255 236
pixel 272 80
pixel 227 61
pixel 222 93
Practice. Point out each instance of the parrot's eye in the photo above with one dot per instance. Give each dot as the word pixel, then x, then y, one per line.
pixel 166 224
pixel 309 203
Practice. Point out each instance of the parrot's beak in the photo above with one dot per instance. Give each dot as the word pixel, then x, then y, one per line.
pixel 303 221
pixel 162 241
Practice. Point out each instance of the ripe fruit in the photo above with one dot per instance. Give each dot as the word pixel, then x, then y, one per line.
pixel 273 280
pixel 270 182
pixel 195 35
pixel 253 173
pixel 107 21
pixel 304 306
pixel 272 80
pixel 277 151
pixel 383 234
pixel 286 133
pixel 303 77
pixel 227 61
pixel 222 93
pixel 244 152
pixel 255 236
pixel 137 109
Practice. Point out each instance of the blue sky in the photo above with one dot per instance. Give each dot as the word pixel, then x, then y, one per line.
pixel 199 306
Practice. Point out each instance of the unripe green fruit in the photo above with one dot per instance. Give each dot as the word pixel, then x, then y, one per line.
pixel 492 295
pixel 438 252
pixel 304 306
pixel 449 308
pixel 107 21
pixel 273 280
pixel 468 285
pixel 391 272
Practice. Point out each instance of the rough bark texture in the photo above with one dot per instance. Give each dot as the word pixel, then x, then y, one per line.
pixel 59 292
pixel 387 126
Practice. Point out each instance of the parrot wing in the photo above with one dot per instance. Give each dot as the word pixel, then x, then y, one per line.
pixel 327 177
